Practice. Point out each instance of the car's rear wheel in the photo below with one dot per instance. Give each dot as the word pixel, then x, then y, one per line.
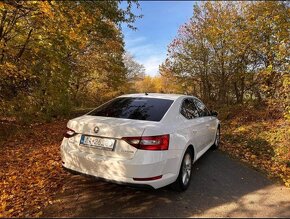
pixel 183 180
pixel 217 139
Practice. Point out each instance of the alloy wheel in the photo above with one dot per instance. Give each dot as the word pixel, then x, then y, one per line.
pixel 186 169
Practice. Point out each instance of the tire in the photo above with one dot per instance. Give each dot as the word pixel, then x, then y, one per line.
pixel 183 180
pixel 217 140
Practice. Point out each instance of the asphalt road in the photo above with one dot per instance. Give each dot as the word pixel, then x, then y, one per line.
pixel 220 187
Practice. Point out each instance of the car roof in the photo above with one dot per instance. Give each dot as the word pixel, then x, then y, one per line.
pixel 156 95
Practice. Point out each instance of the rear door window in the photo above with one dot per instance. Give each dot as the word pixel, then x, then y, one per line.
pixel 203 111
pixel 188 109
pixel 138 108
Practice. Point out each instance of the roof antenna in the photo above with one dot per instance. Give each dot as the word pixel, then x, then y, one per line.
pixel 146 93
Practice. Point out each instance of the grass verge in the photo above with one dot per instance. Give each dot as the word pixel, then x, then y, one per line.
pixel 260 139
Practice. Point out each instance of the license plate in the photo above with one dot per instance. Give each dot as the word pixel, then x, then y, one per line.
pixel 96 142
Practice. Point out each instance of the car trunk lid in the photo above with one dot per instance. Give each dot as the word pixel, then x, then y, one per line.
pixel 109 128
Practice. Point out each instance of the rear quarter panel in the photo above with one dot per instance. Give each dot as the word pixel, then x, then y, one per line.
pixel 173 123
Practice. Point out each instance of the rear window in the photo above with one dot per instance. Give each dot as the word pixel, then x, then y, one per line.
pixel 139 108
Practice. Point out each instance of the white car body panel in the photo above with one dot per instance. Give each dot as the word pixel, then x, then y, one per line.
pixel 126 162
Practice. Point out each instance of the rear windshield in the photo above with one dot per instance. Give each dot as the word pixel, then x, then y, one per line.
pixel 139 108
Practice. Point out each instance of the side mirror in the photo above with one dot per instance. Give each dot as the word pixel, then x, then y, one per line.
pixel 214 113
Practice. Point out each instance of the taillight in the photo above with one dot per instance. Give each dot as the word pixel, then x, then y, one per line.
pixel 69 133
pixel 154 143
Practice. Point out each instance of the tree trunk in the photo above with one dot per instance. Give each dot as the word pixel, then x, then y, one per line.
pixel 24 46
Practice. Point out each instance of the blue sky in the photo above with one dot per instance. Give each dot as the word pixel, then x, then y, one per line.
pixel 157 28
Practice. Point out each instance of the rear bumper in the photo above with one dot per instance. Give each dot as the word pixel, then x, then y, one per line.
pixel 142 186
pixel 144 164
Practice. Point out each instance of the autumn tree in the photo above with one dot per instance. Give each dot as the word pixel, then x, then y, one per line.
pixel 135 72
pixel 134 69
pixel 268 33
pixel 230 51
pixel 59 54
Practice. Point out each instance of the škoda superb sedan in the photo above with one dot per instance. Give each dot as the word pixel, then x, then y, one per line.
pixel 141 139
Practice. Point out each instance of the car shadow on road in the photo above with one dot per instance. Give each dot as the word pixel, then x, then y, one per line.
pixel 216 181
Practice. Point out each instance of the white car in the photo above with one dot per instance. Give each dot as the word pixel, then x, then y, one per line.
pixel 141 139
